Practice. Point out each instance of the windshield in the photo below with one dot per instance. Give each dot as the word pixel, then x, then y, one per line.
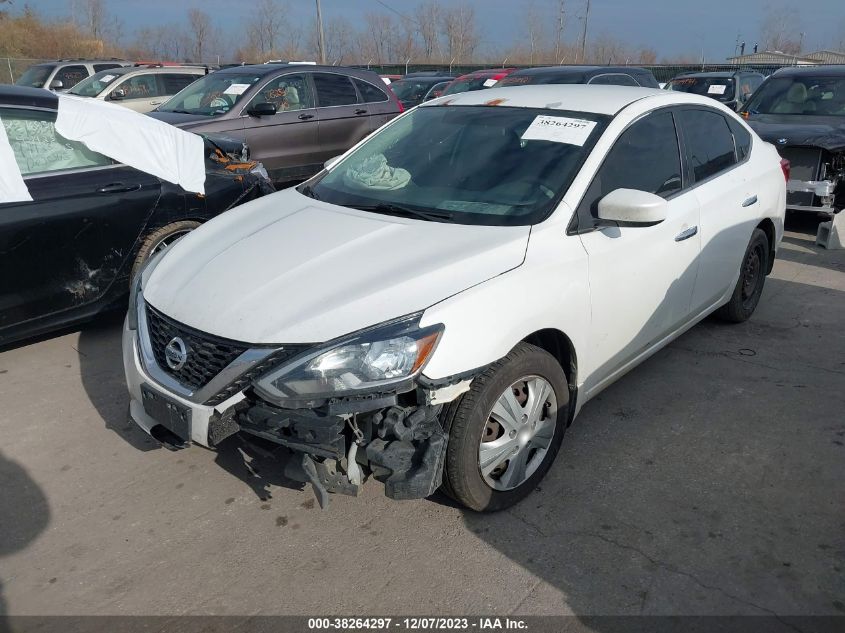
pixel 822 96
pixel 411 92
pixel 95 84
pixel 719 88
pixel 465 164
pixel 212 95
pixel 35 76
pixel 470 83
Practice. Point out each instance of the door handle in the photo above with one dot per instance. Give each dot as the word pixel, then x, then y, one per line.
pixel 360 111
pixel 750 201
pixel 118 187
pixel 686 234
pixel 305 117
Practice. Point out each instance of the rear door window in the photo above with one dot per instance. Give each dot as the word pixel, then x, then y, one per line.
pixel 369 93
pixel 614 79
pixel 709 142
pixel 171 83
pixel 334 90
pixel 70 75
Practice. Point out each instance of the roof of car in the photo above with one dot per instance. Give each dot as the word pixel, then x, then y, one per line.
pixel 23 96
pixel 275 67
pixel 578 70
pixel 824 70
pixel 488 71
pixel 577 98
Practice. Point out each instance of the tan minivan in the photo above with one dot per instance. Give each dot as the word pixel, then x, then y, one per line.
pixel 294 117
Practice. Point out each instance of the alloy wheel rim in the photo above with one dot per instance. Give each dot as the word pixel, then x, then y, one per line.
pixel 518 433
pixel 167 241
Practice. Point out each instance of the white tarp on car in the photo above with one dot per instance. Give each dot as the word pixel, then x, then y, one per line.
pixel 134 139
pixel 12 186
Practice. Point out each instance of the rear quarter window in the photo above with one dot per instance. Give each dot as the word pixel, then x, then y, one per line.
pixel 742 139
pixel 369 92
pixel 709 142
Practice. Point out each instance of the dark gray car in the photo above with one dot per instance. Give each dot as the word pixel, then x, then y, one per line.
pixel 731 88
pixel 294 117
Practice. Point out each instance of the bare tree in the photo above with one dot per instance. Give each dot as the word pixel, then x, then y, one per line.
pixel 534 31
pixel 378 38
pixel 95 18
pixel 584 31
pixel 459 31
pixel 561 23
pixel 199 23
pixel 427 18
pixel 780 30
pixel 265 25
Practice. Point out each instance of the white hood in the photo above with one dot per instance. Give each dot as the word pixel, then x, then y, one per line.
pixel 290 269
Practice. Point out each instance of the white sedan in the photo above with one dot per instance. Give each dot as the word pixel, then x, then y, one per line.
pixel 435 307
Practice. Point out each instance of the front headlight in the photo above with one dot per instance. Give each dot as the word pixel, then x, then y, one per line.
pixel 379 358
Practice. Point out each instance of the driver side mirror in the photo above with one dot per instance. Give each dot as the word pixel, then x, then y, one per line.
pixel 262 109
pixel 118 94
pixel 57 84
pixel 633 207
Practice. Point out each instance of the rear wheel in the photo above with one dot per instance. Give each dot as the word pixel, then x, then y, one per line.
pixel 160 239
pixel 752 277
pixel 505 432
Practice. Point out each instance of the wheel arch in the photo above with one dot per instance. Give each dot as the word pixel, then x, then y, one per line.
pixel 768 227
pixel 561 347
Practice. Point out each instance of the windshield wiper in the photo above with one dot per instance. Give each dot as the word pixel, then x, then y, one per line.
pixel 308 190
pixel 397 209
pixel 178 111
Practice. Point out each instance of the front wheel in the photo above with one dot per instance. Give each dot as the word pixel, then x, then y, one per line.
pixel 749 286
pixel 160 239
pixel 506 431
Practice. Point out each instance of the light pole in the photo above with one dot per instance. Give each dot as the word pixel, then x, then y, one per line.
pixel 322 41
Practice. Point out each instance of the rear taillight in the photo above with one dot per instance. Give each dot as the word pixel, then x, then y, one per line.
pixel 401 106
pixel 786 168
pixel 395 98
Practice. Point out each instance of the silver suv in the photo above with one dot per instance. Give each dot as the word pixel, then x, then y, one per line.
pixel 63 74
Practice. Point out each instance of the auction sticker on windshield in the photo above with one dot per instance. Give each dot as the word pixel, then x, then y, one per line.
pixel 236 89
pixel 490 82
pixel 559 129
pixel 107 78
pixel 717 89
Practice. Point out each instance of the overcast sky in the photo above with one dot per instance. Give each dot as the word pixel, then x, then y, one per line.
pixel 671 27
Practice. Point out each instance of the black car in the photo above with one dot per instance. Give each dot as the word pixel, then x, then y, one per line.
pixel 69 253
pixel 598 75
pixel 801 111
pixel 733 88
pixel 413 87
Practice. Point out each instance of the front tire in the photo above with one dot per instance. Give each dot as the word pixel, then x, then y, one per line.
pixel 749 286
pixel 505 432
pixel 159 239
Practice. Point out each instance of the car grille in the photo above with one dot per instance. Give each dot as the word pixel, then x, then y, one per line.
pixel 207 355
pixel 804 162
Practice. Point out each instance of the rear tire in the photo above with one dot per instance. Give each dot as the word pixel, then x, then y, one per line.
pixel 752 277
pixel 159 239
pixel 495 459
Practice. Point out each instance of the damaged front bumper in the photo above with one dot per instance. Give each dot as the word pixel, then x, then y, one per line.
pixel 395 438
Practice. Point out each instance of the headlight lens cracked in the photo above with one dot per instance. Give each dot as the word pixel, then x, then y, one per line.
pixel 376 358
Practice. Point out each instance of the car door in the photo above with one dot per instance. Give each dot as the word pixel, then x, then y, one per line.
pixel 380 108
pixel 141 93
pixel 285 142
pixel 63 250
pixel 727 195
pixel 342 120
pixel 641 278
